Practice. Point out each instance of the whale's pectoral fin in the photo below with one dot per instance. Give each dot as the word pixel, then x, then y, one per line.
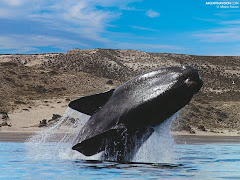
pixel 90 104
pixel 119 139
pixel 97 143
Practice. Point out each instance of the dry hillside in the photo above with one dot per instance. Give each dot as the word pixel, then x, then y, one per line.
pixel 80 72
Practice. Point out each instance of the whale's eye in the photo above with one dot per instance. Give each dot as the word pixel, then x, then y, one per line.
pixel 190 83
pixel 187 80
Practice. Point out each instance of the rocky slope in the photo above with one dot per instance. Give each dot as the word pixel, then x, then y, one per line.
pixel 80 72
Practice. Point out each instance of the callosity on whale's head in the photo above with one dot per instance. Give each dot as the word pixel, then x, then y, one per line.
pixel 139 104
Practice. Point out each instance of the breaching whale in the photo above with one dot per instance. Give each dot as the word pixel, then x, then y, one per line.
pixel 122 119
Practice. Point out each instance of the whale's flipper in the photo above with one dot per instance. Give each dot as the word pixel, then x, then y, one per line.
pixel 97 143
pixel 90 104
pixel 113 140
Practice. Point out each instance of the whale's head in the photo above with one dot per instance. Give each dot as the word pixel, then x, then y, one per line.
pixel 189 79
pixel 158 94
pixel 181 81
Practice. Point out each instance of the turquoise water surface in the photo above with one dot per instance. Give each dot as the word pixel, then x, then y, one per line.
pixel 195 161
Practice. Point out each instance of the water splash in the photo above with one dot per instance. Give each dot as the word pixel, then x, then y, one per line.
pixel 159 148
pixel 55 142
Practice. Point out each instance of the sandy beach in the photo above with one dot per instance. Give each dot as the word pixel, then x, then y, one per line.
pixel 26 118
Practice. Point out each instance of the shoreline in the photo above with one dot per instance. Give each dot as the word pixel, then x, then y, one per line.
pixel 179 139
pixel 15 136
pixel 206 139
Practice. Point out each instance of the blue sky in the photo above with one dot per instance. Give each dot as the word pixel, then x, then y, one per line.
pixel 186 26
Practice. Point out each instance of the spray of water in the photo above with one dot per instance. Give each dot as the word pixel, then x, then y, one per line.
pixel 55 142
pixel 159 148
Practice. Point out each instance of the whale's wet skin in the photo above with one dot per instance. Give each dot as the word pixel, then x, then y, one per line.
pixel 122 119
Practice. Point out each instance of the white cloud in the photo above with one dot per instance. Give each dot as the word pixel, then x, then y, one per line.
pixel 227 34
pixel 143 28
pixel 23 44
pixel 67 23
pixel 13 2
pixel 231 22
pixel 205 19
pixel 152 14
pixel 74 19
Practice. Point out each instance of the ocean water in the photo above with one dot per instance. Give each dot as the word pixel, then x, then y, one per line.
pixel 195 161
pixel 48 155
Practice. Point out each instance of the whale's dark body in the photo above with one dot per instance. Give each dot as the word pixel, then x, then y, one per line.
pixel 123 118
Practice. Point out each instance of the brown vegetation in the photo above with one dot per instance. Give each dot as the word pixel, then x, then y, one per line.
pixel 80 72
